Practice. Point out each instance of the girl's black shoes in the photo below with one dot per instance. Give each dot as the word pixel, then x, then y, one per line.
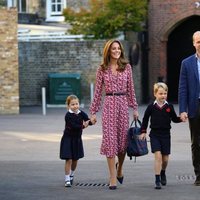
pixel 67 183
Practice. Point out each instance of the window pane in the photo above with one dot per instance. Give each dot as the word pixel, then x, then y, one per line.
pixel 23 5
pixel 59 8
pixel 53 8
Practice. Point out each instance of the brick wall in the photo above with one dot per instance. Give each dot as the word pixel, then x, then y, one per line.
pixel 38 59
pixel 9 86
pixel 163 17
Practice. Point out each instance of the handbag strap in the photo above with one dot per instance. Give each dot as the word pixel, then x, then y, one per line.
pixel 136 123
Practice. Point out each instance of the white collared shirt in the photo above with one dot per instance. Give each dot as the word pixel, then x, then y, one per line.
pixel 156 102
pixel 78 111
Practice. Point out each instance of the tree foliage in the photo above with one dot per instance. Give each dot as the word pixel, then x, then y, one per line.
pixel 107 18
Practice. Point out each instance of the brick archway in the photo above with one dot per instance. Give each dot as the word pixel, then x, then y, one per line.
pixel 174 22
pixel 179 46
pixel 163 18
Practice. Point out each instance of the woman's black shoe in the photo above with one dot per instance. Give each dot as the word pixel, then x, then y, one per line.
pixel 120 179
pixel 112 187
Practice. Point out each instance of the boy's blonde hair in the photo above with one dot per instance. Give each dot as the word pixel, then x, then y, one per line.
pixel 159 85
pixel 70 98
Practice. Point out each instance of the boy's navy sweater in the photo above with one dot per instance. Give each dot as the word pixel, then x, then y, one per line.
pixel 160 118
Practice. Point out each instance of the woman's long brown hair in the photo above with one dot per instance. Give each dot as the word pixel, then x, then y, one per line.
pixel 106 56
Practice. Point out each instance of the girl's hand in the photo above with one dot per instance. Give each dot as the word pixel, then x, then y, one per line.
pixel 85 124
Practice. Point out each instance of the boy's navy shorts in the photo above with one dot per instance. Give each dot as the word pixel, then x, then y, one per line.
pixel 162 144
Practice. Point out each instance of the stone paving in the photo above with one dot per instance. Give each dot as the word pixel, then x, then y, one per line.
pixel 30 167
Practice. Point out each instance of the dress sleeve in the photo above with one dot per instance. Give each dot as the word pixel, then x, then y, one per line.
pixel 130 90
pixel 96 103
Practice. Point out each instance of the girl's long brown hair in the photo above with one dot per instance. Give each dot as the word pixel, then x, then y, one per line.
pixel 122 61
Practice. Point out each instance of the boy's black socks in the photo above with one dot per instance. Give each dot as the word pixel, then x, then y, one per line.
pixel 162 172
pixel 157 177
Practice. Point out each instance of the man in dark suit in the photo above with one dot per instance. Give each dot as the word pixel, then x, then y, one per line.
pixel 189 101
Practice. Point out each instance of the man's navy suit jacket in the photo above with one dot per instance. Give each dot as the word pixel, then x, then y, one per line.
pixel 188 94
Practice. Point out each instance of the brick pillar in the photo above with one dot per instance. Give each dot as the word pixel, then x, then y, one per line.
pixel 9 81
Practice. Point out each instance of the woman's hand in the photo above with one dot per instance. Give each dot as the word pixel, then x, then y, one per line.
pixel 93 119
pixel 135 115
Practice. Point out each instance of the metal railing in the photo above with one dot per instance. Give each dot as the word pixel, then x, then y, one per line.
pixel 48 36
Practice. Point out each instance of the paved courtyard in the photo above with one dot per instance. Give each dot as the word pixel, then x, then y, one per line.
pixel 30 167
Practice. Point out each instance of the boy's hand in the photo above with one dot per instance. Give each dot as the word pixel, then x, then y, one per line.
pixel 142 136
pixel 184 116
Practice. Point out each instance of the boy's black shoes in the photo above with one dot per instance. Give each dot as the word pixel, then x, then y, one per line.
pixel 163 179
pixel 157 185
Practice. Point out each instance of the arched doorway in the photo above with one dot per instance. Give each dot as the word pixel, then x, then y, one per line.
pixel 179 46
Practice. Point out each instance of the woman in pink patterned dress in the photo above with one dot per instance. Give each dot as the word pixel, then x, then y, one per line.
pixel 114 76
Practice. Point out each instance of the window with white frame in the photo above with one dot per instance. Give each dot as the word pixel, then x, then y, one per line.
pixel 56 7
pixel 20 4
pixel 11 3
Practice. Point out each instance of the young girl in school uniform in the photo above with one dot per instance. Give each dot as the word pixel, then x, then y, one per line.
pixel 71 146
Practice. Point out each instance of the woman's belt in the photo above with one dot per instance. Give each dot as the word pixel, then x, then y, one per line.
pixel 115 93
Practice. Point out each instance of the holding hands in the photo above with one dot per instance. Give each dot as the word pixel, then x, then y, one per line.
pixel 86 123
pixel 184 116
pixel 93 119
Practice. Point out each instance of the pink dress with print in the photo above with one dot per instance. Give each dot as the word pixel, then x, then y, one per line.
pixel 115 111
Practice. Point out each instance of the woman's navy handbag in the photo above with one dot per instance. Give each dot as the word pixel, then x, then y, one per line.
pixel 136 147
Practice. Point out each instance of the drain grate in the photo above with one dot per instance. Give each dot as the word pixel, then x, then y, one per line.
pixel 92 184
pixel 185 177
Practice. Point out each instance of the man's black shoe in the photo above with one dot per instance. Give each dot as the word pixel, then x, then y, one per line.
pixel 197 181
